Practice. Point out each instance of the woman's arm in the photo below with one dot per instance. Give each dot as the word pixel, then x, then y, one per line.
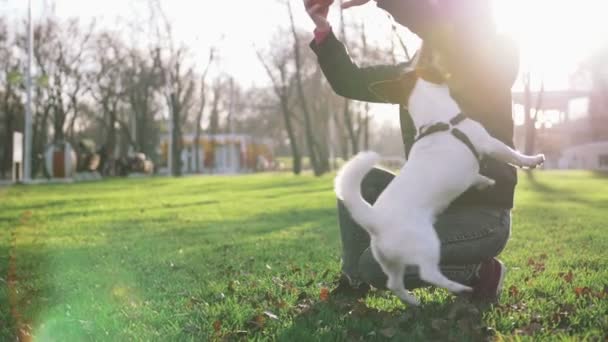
pixel 345 77
pixel 349 80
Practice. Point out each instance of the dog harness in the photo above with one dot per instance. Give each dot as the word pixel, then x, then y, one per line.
pixel 444 127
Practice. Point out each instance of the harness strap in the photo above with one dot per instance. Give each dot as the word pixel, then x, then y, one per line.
pixel 444 127
pixel 465 140
pixel 458 119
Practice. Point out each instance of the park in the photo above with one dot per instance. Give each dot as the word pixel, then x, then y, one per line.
pixel 160 184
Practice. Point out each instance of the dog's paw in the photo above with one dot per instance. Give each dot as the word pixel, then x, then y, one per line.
pixel 540 159
pixel 411 301
pixel 458 288
pixel 533 162
pixel 482 186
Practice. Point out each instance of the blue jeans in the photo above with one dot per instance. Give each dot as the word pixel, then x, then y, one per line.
pixel 468 235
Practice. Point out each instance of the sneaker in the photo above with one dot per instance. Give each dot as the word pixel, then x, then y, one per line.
pixel 488 285
pixel 345 288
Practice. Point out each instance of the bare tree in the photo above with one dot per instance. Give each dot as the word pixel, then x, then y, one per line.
pixel 141 82
pixel 316 156
pixel 107 89
pixel 347 109
pixel 277 69
pixel 11 109
pixel 179 80
pixel 201 110
pixel 65 57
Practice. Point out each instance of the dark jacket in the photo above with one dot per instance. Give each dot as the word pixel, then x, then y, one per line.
pixel 488 101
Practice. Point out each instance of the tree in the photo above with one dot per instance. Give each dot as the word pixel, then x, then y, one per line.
pixel 141 83
pixel 108 91
pixel 11 108
pixel 64 56
pixel 318 160
pixel 201 109
pixel 277 68
pixel 178 78
pixel 353 133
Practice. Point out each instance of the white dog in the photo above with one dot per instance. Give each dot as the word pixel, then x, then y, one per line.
pixel 440 168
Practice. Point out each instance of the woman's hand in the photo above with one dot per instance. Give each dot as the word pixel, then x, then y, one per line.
pixel 318 10
pixel 353 3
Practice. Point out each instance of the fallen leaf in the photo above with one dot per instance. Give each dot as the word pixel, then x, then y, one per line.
pixel 513 291
pixel 324 294
pixel 566 276
pixel 217 326
pixel 271 315
pixel 257 323
pixel 530 329
pixel 582 291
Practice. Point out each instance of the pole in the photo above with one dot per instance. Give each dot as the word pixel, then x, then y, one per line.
pixel 27 173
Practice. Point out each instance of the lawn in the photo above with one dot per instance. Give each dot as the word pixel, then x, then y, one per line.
pixel 234 258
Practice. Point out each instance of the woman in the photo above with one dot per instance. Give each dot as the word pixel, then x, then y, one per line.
pixel 482 67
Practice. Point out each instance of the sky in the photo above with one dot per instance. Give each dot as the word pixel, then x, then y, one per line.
pixel 555 36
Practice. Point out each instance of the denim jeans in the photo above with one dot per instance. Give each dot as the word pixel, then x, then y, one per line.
pixel 468 235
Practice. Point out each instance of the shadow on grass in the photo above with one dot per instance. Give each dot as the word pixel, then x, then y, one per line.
pixel 562 194
pixel 600 174
pixel 350 319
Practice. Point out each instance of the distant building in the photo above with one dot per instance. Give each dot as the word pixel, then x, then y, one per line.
pixel 222 154
pixel 571 141
pixel 593 156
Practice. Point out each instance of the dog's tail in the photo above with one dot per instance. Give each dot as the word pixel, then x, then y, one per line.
pixel 348 188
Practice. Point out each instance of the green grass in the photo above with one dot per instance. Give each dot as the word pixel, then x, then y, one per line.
pixel 197 259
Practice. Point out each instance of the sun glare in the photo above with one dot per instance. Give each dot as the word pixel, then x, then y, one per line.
pixel 555 36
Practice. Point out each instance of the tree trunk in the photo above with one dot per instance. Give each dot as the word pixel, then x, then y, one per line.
pixel 348 121
pixel 529 120
pixel 39 141
pixel 196 143
pixel 293 142
pixel 308 131
pixel 177 137
pixel 366 128
pixel 8 145
pixel 59 113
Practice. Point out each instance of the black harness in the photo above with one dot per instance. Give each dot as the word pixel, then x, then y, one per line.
pixel 444 127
